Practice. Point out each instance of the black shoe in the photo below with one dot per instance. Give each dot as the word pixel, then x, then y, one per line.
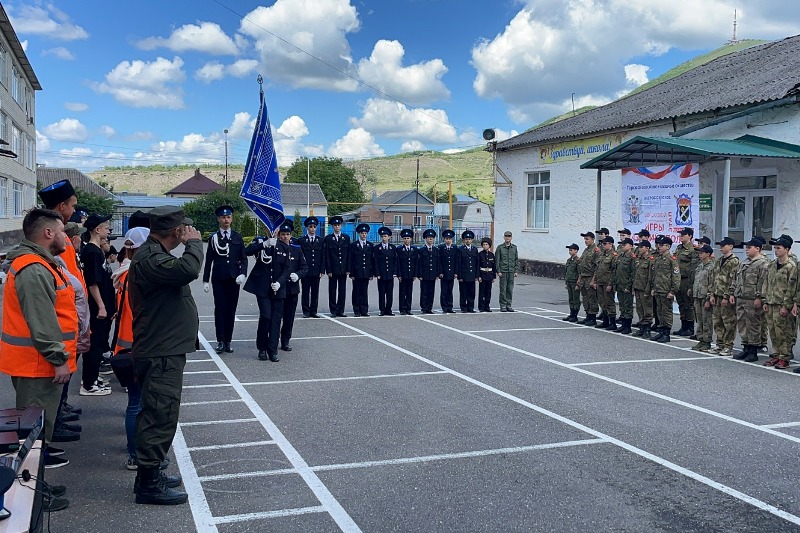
pixel 151 488
pixel 626 326
pixel 56 491
pixel 228 348
pixel 274 357
pixel 68 417
pixel 51 505
pixel 342 315
pixel 365 315
pixel 744 353
pixel 306 315
pixel 286 348
pixel 315 315
pixel 681 332
pixel 510 310
pixel 388 314
pixel 71 409
pixel 52 450
pixel 65 436
pixel 381 313
pixel 51 461
pixel 77 428
pixel 220 347
pixel 658 334
pixel 603 324
pixel 752 357
pixel 664 336
pixel 795 371
pixel 573 317
pixel 171 481
pixel 590 320
pixel 566 318
pixel 262 355
pixel 612 324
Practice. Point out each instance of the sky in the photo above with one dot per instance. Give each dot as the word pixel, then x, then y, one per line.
pixel 159 82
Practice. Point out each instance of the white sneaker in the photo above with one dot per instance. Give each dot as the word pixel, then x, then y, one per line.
pixel 95 391
pixel 713 350
pixel 725 351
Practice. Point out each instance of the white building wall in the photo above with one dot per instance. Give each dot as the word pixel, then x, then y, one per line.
pixel 472 216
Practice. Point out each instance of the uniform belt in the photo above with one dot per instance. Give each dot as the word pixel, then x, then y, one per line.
pixel 483 269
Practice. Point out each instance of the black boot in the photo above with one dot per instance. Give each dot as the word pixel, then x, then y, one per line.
pixel 646 332
pixel 220 347
pixel 626 326
pixel 752 356
pixel 690 328
pixel 745 352
pixel 681 332
pixel 262 355
pixel 583 320
pixel 657 334
pixel 665 335
pixel 573 317
pixel 620 326
pixel 612 323
pixel 228 348
pixel 639 332
pixel 603 324
pixel 274 357
pixel 170 481
pixel 567 318
pixel 590 320
pixel 151 488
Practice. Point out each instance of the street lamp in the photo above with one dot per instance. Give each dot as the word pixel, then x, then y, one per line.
pixel 226 160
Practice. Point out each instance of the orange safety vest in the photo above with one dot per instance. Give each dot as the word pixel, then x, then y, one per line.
pixel 70 257
pixel 18 356
pixel 124 316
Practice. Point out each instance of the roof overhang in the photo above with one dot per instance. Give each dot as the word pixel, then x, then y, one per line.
pixel 657 151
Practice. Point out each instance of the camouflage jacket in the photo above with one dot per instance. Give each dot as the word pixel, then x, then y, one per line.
pixel 703 279
pixel 780 284
pixel 571 273
pixel 749 281
pixel 644 268
pixel 665 276
pixel 687 258
pixel 588 262
pixel 606 264
pixel 625 272
pixel 724 274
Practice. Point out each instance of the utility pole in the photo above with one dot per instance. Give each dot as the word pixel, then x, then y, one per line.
pixel 416 198
pixel 226 160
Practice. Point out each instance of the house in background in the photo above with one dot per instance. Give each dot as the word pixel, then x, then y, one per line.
pixel 194 187
pixel 468 213
pixel 307 199
pixel 129 203
pixel 396 210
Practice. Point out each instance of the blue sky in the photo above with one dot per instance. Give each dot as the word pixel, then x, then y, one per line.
pixel 139 83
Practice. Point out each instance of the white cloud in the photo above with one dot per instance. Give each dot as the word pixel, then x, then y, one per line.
pixel 636 74
pixel 415 84
pixel 242 126
pixel 214 70
pixel 146 84
pixel 140 136
pixel 288 139
pixel 60 52
pixel 241 67
pixel 47 21
pixel 357 143
pixel 67 129
pixel 76 106
pixel 107 131
pixel 208 37
pixel 502 135
pixel 412 146
pixel 79 151
pixel 42 142
pixel 293 127
pixel 24 45
pixel 395 120
pixel 321 32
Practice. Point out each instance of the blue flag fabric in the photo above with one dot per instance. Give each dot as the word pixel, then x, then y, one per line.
pixel 261 187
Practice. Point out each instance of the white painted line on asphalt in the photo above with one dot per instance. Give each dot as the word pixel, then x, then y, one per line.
pixel 203 372
pixel 783 425
pixel 577 425
pixel 215 422
pixel 670 359
pixel 255 473
pixel 210 402
pixel 201 512
pixel 214 385
pixel 199 360
pixel 228 519
pixel 231 445
pixel 307 338
pixel 328 501
pixel 319 380
pixel 521 329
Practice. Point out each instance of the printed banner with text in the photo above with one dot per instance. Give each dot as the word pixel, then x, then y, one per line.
pixel 662 200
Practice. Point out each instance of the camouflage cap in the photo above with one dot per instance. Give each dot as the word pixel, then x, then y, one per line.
pixel 73 228
pixel 167 217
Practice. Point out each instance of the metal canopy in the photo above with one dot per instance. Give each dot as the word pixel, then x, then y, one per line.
pixel 655 151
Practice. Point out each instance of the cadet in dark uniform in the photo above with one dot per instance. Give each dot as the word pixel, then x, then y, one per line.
pixel 427 271
pixel 406 270
pixel 227 261
pixel 165 325
pixel 488 273
pixel 384 258
pixel 297 271
pixel 361 270
pixel 467 273
pixel 312 247
pixel 448 270
pixel 268 282
pixel 335 255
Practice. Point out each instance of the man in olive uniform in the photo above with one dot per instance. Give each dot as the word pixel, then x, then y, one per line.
pixel 384 258
pixel 507 258
pixel 361 270
pixel 603 283
pixel 571 275
pixel 748 299
pixel 428 265
pixel 623 284
pixel 588 264
pixel 406 271
pixel 312 246
pixel 687 263
pixel 226 266
pixel 297 271
pixel 666 280
pixel 487 269
pixel 449 256
pixel 703 313
pixel 719 296
pixel 601 233
pixel 336 254
pixel 781 295
pixel 644 235
pixel 158 286
pixel 624 233
pixel 642 289
pixel 467 272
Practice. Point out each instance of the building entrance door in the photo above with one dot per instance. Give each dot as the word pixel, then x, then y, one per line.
pixel 751 213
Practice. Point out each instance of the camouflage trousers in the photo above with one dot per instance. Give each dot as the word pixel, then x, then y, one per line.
pixel 664 311
pixel 749 321
pixel 574 295
pixel 589 297
pixel 703 319
pixel 644 307
pixel 685 302
pixel 605 299
pixel 625 304
pixel 782 332
pixel 724 323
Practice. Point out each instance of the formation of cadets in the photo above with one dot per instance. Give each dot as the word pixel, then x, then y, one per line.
pixel 716 296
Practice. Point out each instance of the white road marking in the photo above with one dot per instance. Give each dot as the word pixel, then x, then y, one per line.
pixel 199 360
pixel 214 385
pixel 201 512
pixel 670 359
pixel 319 380
pixel 783 425
pixel 216 422
pixel 307 338
pixel 267 514
pixel 521 329
pixel 231 445
pixel 210 402
pixel 203 372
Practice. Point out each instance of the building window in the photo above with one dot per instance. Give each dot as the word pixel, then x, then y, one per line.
pixel 478 210
pixel 398 220
pixel 538 200
pixel 417 220
pixel 429 220
pixel 3 197
pixel 16 142
pixel 29 153
pixel 15 84
pixel 4 127
pixel 19 200
pixel 3 64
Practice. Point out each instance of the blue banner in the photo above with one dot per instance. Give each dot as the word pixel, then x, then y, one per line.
pixel 261 187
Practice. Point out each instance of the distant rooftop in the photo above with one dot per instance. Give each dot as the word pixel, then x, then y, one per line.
pixel 47 176
pixel 197 184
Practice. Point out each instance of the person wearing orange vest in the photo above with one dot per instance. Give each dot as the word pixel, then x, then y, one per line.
pixel 40 321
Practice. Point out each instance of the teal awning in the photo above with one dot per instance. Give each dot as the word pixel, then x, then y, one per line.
pixel 655 151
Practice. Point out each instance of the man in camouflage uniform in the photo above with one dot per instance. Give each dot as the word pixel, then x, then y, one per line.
pixel 748 299
pixel 624 233
pixel 601 233
pixel 588 264
pixel 781 294
pixel 665 282
pixel 571 276
pixel 703 313
pixel 603 282
pixel 687 263
pixel 719 295
pixel 699 243
pixel 623 284
pixel 641 289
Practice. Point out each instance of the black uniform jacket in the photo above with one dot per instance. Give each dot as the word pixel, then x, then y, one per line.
pixel 448 261
pixel 336 255
pixel 406 262
pixel 428 262
pixel 297 265
pixel 313 254
pixel 468 263
pixel 361 260
pixel 273 265
pixel 225 267
pixel 384 262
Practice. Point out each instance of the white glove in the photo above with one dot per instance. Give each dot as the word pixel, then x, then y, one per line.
pixel 3 276
pixel 240 279
pixel 206 287
pixel 270 243
pixel 293 277
pixel 275 286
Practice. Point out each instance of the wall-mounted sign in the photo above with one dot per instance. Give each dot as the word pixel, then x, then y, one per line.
pixel 576 150
pixel 706 202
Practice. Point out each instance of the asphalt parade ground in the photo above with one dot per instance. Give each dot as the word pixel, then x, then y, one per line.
pixel 453 423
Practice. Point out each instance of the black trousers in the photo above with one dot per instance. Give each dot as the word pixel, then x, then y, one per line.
pixel 337 288
pixel 161 380
pixel 287 325
pixel 405 293
pixel 360 296
pixel 270 311
pixel 310 294
pixel 484 295
pixel 426 290
pixel 101 328
pixel 446 295
pixel 226 298
pixel 385 295
pixel 466 295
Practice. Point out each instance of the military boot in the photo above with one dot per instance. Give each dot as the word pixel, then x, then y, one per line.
pixel 612 323
pixel 657 334
pixel 646 332
pixel 744 353
pixel 603 315
pixel 664 335
pixel 603 324
pixel 569 316
pixel 626 326
pixel 170 481
pixel 573 316
pixel 591 320
pixel 620 326
pixel 681 332
pixel 640 331
pixel 752 356
pixel 151 488
pixel 690 328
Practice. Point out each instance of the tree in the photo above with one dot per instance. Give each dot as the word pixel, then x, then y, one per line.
pixel 297 232
pixel 95 204
pixel 337 181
